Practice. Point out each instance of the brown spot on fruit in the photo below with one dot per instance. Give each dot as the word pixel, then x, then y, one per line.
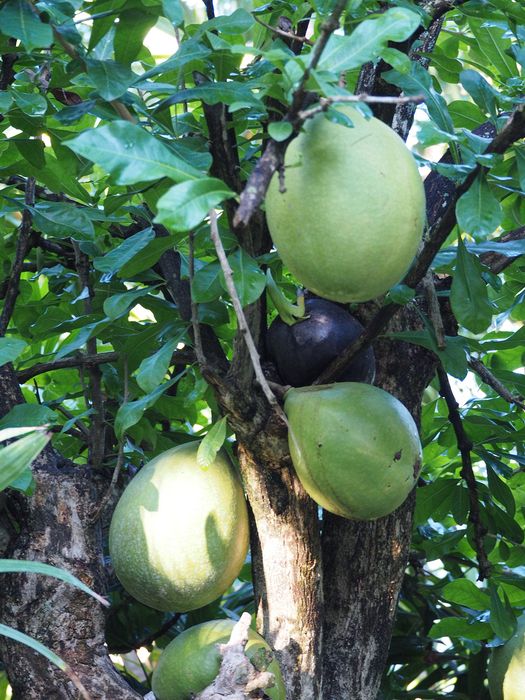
pixel 398 455
pixel 417 467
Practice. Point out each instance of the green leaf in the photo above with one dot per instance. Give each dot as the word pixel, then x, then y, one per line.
pixel 10 349
pixel 520 162
pixel 112 262
pixel 28 414
pixel 469 295
pixel 110 79
pixel 10 433
pixel 500 491
pixel 212 443
pixel 249 279
pixel 459 627
pixel 453 357
pixel 147 257
pixel 130 154
pixel 18 456
pixel 483 94
pixel 31 103
pixel 435 499
pixel 344 53
pixel 61 220
pixel 189 51
pixel 17 636
pixel 18 20
pixel 11 566
pixel 230 93
pixel 152 370
pixel 495 46
pixel 206 285
pixel 184 206
pixel 502 617
pixel 280 131
pixel 130 413
pixel 118 304
pixel 464 592
pixel 238 22
pixel 174 11
pixel 478 212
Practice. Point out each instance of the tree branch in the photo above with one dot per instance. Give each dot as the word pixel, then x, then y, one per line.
pixel 22 248
pixel 486 375
pixel 239 313
pixel 467 472
pixel 201 359
pixel 25 375
pixel 259 180
pixel 326 102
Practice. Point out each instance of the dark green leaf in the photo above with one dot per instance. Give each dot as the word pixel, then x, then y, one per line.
pixel 112 262
pixel 249 279
pixel 459 627
pixel 502 618
pixel 61 220
pixel 18 20
pixel 174 11
pixel 469 294
pixel 153 369
pixel 478 212
pixel 130 154
pixel 10 349
pixel 110 79
pixel 466 593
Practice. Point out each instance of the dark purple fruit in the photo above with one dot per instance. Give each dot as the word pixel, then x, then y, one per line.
pixel 302 351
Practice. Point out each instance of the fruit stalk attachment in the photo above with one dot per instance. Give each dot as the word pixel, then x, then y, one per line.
pixel 289 313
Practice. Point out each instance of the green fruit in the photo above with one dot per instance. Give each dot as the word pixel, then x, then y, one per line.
pixel 506 671
pixel 179 533
pixel 351 219
pixel 191 661
pixel 355 448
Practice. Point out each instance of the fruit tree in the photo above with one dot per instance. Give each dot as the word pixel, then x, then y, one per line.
pixel 149 151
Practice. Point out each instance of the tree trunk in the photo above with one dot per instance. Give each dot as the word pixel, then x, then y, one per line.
pixel 56 528
pixel 287 572
pixel 364 562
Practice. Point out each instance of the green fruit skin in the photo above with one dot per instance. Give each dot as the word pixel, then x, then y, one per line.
pixel 355 448
pixel 191 661
pixel 179 533
pixel 506 672
pixel 351 219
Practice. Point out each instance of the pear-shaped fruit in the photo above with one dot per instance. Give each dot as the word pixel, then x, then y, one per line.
pixel 355 448
pixel 191 661
pixel 179 533
pixel 303 350
pixel 351 218
pixel 506 671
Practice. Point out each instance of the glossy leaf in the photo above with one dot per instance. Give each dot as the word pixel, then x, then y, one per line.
pixel 130 154
pixel 10 349
pixel 18 20
pixel 469 294
pixel 184 206
pixel 18 456
pixel 212 443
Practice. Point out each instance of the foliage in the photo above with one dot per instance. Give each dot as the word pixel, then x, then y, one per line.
pixel 117 138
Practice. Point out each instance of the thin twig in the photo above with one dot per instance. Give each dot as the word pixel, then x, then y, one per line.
pixel 70 416
pixel 210 10
pixel 281 32
pixel 201 359
pixel 83 360
pixel 94 394
pixel 467 472
pixel 259 180
pixel 326 102
pixel 239 313
pixel 120 456
pixel 22 248
pixel 486 375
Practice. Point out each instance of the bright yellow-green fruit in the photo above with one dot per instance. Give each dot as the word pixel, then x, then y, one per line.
pixel 191 661
pixel 179 533
pixel 506 672
pixel 355 448
pixel 351 219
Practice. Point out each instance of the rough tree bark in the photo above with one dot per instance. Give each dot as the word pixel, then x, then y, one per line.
pixel 56 528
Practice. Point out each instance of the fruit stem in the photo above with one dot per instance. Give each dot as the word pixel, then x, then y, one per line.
pixel 289 313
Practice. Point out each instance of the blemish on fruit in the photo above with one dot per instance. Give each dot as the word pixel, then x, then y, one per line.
pixel 417 467
pixel 398 455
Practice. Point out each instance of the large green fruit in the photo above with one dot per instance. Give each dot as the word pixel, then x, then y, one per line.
pixel 506 672
pixel 179 533
pixel 354 447
pixel 191 661
pixel 351 219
